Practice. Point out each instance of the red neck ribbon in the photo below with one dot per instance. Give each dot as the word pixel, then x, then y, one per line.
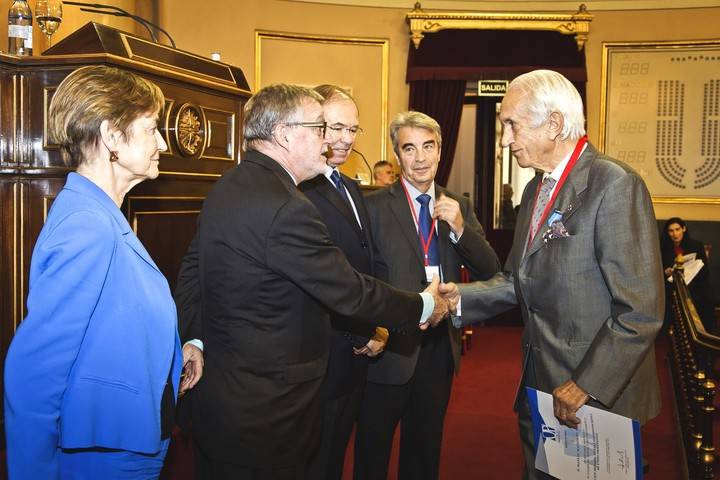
pixel 566 171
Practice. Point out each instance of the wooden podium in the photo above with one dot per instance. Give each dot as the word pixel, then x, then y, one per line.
pixel 201 123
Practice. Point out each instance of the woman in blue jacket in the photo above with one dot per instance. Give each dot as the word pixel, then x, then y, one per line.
pixel 93 371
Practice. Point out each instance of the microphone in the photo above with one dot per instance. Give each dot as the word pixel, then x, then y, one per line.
pixel 119 12
pixel 366 164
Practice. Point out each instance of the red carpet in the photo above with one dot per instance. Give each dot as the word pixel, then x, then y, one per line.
pixel 481 438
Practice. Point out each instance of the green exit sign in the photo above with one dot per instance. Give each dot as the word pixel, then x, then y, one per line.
pixel 492 88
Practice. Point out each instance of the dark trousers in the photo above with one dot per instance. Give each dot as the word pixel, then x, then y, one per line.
pixel 338 420
pixel 208 468
pixel 419 406
pixel 343 389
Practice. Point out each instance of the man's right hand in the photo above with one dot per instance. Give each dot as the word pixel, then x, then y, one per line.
pixel 441 305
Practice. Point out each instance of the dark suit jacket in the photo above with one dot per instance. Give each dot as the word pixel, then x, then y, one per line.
pixel 397 242
pixel 592 302
pixel 267 273
pixel 343 373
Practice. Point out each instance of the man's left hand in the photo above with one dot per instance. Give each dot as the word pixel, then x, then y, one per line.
pixel 376 345
pixel 193 362
pixel 567 398
pixel 448 209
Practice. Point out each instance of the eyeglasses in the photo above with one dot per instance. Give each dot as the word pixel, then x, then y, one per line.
pixel 320 127
pixel 337 130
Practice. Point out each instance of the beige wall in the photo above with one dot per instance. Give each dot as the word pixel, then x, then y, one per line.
pixel 232 33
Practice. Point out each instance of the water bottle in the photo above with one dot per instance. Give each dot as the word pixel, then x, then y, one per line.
pixel 20 28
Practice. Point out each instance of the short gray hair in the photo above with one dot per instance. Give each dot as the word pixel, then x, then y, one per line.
pixel 548 91
pixel 413 119
pixel 271 106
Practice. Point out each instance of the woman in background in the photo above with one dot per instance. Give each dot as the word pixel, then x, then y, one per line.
pixel 676 241
pixel 93 371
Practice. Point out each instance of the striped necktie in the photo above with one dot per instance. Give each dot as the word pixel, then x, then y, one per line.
pixel 540 204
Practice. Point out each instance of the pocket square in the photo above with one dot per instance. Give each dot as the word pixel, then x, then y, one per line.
pixel 556 228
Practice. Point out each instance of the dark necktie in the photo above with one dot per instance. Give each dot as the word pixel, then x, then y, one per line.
pixel 340 186
pixel 540 204
pixel 424 223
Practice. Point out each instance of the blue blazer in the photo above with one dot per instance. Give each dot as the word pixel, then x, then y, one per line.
pixel 88 365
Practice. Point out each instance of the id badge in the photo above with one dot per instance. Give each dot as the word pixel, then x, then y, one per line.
pixel 431 271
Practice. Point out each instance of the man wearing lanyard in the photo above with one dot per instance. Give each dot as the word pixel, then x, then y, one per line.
pixel 421 230
pixel 584 266
pixel 342 208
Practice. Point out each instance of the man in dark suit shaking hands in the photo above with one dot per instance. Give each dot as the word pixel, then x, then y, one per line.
pixel 421 229
pixel 259 277
pixel 342 207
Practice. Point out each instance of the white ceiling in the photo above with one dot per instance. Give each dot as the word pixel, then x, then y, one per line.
pixel 566 6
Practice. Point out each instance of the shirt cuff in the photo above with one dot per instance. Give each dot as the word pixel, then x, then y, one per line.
pixel 428 307
pixel 457 316
pixel 197 343
pixel 454 238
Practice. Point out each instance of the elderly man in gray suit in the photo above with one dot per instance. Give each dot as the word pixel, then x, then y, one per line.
pixel 584 266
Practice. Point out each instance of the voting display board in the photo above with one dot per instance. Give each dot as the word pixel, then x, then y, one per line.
pixel 660 114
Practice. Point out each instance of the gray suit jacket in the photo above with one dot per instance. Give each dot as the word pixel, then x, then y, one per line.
pixel 592 302
pixel 397 242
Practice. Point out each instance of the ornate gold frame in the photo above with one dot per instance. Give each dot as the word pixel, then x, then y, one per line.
pixel 607 48
pixel 383 43
pixel 577 24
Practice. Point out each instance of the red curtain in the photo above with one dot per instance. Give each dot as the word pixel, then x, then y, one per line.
pixel 439 70
pixel 442 100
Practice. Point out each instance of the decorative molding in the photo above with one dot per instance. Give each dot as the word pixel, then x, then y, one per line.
pixel 190 129
pixel 577 24
pixel 136 216
pixel 134 213
pixel 225 121
pixel 165 131
pixel 15 256
pixel 525 5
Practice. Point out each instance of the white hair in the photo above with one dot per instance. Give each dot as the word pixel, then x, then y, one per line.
pixel 548 91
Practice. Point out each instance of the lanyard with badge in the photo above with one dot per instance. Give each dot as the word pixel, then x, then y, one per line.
pixel 430 270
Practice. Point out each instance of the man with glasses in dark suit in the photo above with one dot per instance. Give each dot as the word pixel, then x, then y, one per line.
pixel 255 288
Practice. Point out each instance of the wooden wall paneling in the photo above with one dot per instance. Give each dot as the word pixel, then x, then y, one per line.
pixel 163 212
pixel 165 224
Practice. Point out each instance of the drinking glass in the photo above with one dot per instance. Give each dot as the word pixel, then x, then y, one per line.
pixel 48 14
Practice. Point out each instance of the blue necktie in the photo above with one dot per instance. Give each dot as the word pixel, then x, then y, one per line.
pixel 425 222
pixel 335 177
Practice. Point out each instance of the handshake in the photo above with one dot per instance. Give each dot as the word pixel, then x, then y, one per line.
pixel 446 296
